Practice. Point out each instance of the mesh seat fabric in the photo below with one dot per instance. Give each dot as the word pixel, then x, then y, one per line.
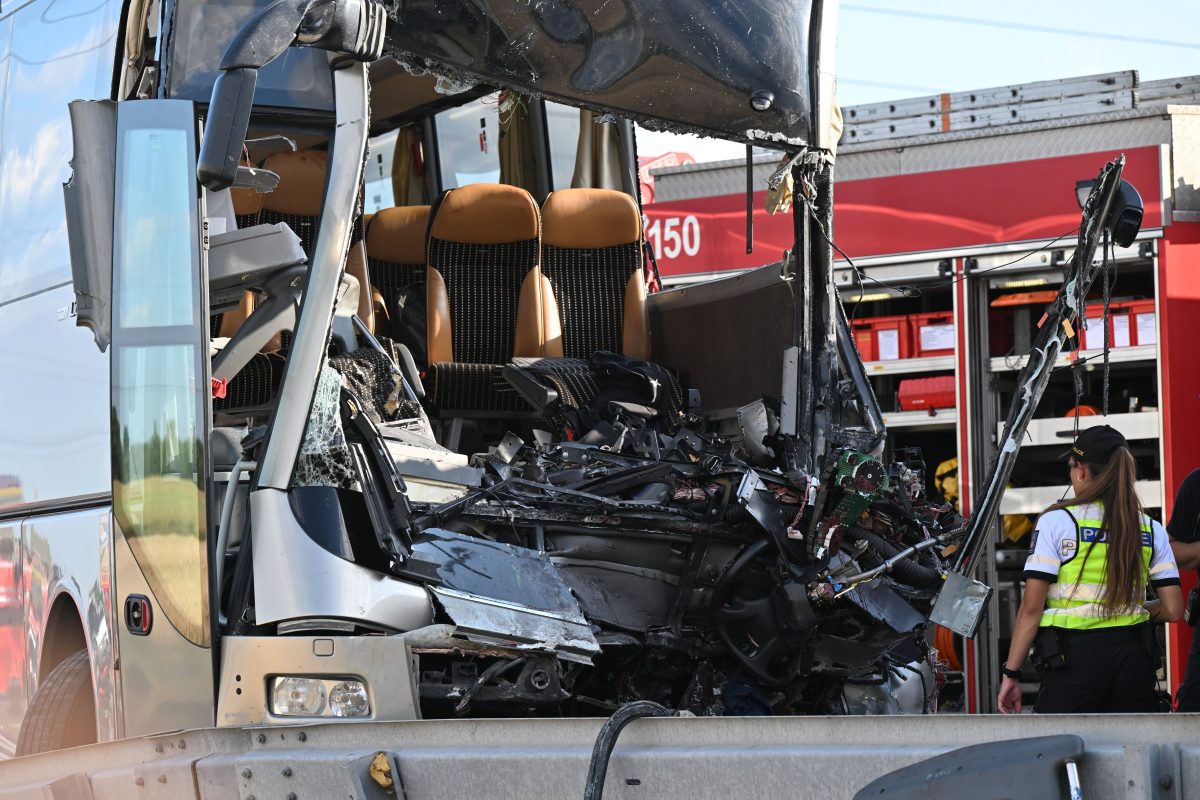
pixel 396 249
pixel 253 387
pixel 592 258
pixel 589 286
pixel 484 296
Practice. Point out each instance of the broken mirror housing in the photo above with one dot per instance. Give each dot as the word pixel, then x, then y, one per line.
pixel 1125 219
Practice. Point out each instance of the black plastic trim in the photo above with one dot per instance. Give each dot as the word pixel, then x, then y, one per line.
pixel 43 508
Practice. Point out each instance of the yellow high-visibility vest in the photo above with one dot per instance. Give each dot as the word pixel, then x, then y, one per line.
pixel 1076 601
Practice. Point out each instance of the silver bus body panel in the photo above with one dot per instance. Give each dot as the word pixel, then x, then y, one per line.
pixel 55 478
pixel 383 663
pixel 166 680
pixel 12 637
pixel 63 558
pixel 294 577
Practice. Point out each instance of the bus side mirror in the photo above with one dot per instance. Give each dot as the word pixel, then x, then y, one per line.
pixel 353 28
pixel 225 128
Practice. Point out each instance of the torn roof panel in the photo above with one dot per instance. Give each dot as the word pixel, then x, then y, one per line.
pixel 682 65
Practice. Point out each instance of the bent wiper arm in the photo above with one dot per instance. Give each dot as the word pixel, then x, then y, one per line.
pixel 1055 330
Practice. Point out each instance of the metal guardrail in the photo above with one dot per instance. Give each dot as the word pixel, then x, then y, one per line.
pixel 1126 756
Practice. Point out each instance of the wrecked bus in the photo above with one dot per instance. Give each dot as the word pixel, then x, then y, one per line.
pixel 326 456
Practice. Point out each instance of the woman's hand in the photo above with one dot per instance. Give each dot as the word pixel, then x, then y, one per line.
pixel 1009 699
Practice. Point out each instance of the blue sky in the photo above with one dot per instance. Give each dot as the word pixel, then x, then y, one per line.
pixel 891 49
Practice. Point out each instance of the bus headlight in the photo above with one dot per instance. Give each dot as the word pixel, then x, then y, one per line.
pixel 294 696
pixel 310 696
pixel 349 699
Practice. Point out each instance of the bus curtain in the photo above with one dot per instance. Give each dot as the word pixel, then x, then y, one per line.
pixel 597 154
pixel 408 169
pixel 135 50
pixel 516 142
pixel 779 199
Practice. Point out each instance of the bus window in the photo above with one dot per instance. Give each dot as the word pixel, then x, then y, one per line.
pixel 158 429
pixel 469 143
pixel 562 125
pixel 54 427
pixel 60 51
pixel 395 161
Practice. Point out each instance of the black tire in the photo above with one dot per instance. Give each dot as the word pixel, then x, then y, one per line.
pixel 63 713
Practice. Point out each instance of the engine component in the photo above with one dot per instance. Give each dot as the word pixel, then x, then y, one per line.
pixel 862 479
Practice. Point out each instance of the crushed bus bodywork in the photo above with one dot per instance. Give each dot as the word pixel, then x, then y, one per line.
pixel 711 524
pixel 692 561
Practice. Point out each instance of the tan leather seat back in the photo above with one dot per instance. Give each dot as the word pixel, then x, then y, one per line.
pixel 297 201
pixel 395 240
pixel 396 248
pixel 484 289
pixel 247 203
pixel 592 258
pixel 227 323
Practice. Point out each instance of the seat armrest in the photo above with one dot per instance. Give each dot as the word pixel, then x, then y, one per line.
pixel 276 313
pixel 247 257
pixel 543 398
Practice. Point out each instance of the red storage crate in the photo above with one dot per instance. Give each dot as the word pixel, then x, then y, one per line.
pixel 918 394
pixel 1130 322
pixel 882 338
pixel 932 334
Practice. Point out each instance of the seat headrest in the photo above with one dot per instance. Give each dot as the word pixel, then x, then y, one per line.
pixel 398 234
pixel 301 183
pixel 486 213
pixel 590 218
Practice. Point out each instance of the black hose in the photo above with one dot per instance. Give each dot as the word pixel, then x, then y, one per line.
pixel 907 571
pixel 869 558
pixel 607 740
pixel 494 671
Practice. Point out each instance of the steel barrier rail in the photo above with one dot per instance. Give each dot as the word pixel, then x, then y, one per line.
pixel 1142 756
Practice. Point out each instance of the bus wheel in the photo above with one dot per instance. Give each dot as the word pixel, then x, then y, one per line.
pixel 63 713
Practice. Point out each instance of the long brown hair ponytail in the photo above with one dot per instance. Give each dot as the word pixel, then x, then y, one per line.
pixel 1113 485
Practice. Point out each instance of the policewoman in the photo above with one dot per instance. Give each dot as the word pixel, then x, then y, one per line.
pixel 1090 564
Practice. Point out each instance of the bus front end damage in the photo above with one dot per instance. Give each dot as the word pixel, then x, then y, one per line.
pixel 697 571
pixel 766 558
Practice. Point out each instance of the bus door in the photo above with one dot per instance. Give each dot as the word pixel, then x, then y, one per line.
pixel 160 419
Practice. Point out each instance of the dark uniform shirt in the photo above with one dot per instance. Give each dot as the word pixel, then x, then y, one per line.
pixel 1184 526
pixel 1185 515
